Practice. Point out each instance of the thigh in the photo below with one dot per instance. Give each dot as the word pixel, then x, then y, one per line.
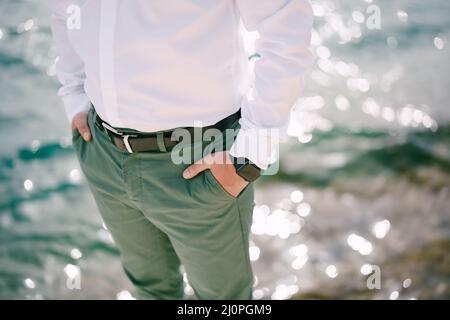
pixel 148 257
pixel 210 234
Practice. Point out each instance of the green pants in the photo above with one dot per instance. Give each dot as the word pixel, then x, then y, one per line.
pixel 159 221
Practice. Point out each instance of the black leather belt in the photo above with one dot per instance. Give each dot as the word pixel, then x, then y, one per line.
pixel 156 141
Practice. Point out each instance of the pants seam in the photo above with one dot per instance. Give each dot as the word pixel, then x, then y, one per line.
pixel 244 244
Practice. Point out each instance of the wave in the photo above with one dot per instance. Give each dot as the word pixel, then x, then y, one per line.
pixel 402 155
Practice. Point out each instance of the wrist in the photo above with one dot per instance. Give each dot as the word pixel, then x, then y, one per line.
pixel 246 169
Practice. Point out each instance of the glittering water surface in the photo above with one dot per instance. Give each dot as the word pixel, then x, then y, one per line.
pixel 363 183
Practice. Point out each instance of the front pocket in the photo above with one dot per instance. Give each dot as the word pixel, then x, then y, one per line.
pixel 75 136
pixel 217 186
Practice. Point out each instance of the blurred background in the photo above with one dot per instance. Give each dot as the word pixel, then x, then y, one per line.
pixel 363 181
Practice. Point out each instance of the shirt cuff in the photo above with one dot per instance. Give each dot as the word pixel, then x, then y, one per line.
pixel 75 103
pixel 260 146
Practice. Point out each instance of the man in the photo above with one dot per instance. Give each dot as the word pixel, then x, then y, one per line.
pixel 134 72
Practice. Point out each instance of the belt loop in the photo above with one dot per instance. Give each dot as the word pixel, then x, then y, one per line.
pixel 160 141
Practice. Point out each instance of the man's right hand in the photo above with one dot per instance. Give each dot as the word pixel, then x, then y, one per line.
pixel 80 123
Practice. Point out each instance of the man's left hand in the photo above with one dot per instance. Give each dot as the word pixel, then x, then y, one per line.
pixel 222 169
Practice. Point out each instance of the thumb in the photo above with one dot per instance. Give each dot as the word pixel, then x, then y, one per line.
pixel 85 132
pixel 80 122
pixel 195 169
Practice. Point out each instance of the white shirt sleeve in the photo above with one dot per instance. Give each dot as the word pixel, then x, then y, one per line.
pixel 69 66
pixel 284 28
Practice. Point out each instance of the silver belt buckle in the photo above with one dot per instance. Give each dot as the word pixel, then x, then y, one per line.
pixel 127 143
pixel 124 137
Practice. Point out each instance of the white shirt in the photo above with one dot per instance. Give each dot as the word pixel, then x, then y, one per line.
pixel 154 65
